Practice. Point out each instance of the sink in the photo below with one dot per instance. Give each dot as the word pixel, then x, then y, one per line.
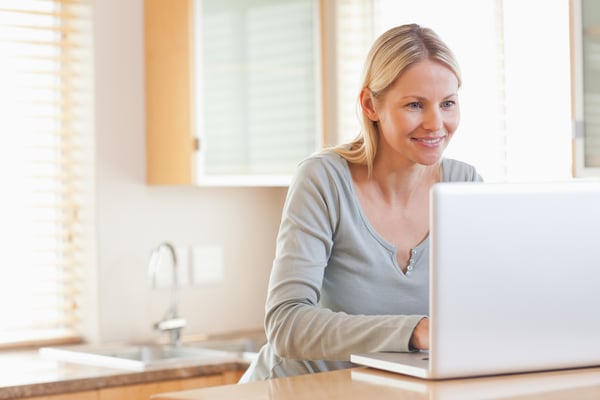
pixel 141 357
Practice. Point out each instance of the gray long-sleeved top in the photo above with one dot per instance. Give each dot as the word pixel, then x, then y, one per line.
pixel 336 287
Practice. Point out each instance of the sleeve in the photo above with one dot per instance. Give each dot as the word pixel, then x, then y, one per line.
pixel 296 326
pixel 475 177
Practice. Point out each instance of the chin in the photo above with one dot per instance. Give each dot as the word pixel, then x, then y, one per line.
pixel 430 160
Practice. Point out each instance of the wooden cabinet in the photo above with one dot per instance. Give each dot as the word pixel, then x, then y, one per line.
pixel 87 395
pixel 170 142
pixel 145 390
pixel 233 90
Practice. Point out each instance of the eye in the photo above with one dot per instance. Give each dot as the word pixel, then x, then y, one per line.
pixel 415 105
pixel 448 103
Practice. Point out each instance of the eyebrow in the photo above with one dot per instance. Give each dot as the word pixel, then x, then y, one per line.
pixel 424 98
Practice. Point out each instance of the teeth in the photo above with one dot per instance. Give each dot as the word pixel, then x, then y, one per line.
pixel 431 141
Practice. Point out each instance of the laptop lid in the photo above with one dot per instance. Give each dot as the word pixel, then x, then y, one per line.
pixel 515 278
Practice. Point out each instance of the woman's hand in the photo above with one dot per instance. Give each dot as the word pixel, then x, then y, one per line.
pixel 420 337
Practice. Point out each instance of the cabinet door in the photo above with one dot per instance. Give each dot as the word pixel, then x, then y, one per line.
pixel 87 395
pixel 144 391
pixel 585 31
pixel 258 93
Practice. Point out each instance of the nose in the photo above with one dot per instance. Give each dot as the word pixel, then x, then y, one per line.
pixel 432 119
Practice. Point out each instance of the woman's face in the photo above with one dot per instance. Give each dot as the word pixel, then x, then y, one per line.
pixel 418 114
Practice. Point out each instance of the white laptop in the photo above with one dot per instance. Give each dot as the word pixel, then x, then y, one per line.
pixel 515 281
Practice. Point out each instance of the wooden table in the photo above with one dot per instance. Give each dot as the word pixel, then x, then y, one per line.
pixel 366 383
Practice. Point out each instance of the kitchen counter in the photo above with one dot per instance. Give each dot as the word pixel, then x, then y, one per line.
pixel 366 383
pixel 26 374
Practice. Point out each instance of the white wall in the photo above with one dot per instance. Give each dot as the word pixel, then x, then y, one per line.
pixel 132 218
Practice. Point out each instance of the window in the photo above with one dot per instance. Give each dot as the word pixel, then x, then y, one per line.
pixel 515 99
pixel 45 156
pixel 586 67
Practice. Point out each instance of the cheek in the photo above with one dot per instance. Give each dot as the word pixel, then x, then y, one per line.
pixel 452 122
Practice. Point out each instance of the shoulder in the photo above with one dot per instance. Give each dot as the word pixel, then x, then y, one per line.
pixel 325 166
pixel 321 182
pixel 455 170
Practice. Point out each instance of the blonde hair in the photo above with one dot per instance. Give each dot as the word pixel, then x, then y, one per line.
pixel 390 55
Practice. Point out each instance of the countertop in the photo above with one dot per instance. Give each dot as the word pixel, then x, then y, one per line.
pixel 26 374
pixel 366 383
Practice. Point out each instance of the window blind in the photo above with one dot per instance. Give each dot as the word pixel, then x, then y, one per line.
pixel 45 124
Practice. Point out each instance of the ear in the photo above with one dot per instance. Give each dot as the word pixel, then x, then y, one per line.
pixel 366 103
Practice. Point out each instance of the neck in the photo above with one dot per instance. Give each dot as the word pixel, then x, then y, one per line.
pixel 401 184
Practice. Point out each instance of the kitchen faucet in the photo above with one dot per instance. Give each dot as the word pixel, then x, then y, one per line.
pixel 171 322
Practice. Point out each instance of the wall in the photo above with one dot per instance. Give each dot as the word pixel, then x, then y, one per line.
pixel 132 218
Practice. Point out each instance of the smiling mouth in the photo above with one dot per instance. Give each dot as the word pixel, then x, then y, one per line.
pixel 430 141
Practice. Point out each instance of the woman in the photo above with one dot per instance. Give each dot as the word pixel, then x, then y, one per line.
pixel 351 270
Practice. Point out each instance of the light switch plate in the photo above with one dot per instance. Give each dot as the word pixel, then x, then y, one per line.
pixel 207 264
